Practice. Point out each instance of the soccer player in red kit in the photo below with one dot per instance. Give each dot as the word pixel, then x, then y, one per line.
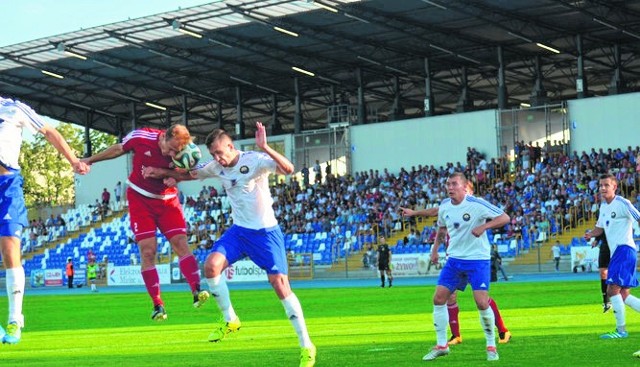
pixel 153 205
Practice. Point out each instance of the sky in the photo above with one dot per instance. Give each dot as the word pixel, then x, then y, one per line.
pixel 27 20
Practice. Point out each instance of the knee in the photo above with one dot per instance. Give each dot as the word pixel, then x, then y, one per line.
pixel 280 284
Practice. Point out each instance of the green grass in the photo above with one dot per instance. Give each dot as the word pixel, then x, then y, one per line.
pixel 553 324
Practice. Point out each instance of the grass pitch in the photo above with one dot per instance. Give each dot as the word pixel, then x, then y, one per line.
pixel 553 324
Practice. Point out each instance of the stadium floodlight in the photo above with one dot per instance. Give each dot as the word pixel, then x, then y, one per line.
pixel 549 48
pixel 177 25
pixel 325 6
pixel 52 74
pixel 303 71
pixel 156 106
pixel 435 4
pixel 61 47
pixel 286 31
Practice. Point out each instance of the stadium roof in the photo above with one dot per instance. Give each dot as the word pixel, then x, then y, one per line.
pixel 315 54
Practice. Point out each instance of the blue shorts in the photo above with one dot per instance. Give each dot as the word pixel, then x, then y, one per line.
pixel 622 267
pixel 457 273
pixel 265 247
pixel 13 211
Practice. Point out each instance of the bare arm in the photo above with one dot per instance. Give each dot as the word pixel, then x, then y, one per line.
pixel 114 151
pixel 178 175
pixel 284 166
pixel 595 232
pixel 431 212
pixel 440 239
pixel 496 222
pixel 54 137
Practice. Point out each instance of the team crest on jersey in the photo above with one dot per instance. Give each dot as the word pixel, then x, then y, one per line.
pixel 244 170
pixel 613 214
pixel 466 217
pixel 456 225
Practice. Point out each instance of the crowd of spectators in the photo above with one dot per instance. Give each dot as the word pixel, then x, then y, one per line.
pixel 543 190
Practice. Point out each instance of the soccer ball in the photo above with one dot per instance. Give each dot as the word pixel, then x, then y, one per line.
pixel 188 157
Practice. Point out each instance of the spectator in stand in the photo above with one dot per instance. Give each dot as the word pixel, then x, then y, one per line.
pixel 318 172
pixel 117 192
pixel 305 175
pixel 106 197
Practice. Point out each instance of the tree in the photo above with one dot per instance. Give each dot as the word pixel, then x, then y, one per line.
pixel 48 178
pixel 101 141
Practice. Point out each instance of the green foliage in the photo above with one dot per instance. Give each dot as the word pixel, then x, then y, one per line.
pixel 48 178
pixel 553 324
pixel 101 141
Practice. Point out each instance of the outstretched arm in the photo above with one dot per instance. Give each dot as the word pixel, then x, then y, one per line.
pixel 54 137
pixel 167 173
pixel 431 212
pixel 114 151
pixel 285 167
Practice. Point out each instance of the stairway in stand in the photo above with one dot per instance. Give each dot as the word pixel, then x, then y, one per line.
pixel 73 235
pixel 354 261
pixel 531 257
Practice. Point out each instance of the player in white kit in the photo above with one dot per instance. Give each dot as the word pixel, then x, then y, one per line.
pixel 616 219
pixel 255 231
pixel 14 117
pixel 465 218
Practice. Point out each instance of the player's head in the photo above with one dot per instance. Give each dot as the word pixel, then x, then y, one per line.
pixel 382 240
pixel 220 145
pixel 608 187
pixel 469 187
pixel 457 187
pixel 175 138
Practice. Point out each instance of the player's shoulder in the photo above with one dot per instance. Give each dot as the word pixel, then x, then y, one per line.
pixel 445 202
pixel 142 134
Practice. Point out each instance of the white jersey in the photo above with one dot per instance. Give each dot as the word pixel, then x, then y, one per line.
pixel 460 220
pixel 247 186
pixel 616 218
pixel 14 116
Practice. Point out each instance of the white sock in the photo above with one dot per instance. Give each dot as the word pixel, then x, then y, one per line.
pixel 441 322
pixel 487 320
pixel 15 293
pixel 220 292
pixel 93 287
pixel 618 311
pixel 294 312
pixel 633 302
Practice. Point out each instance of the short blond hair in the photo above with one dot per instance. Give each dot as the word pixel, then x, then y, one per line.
pixel 179 133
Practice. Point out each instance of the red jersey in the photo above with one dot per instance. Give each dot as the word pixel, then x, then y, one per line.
pixel 144 143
